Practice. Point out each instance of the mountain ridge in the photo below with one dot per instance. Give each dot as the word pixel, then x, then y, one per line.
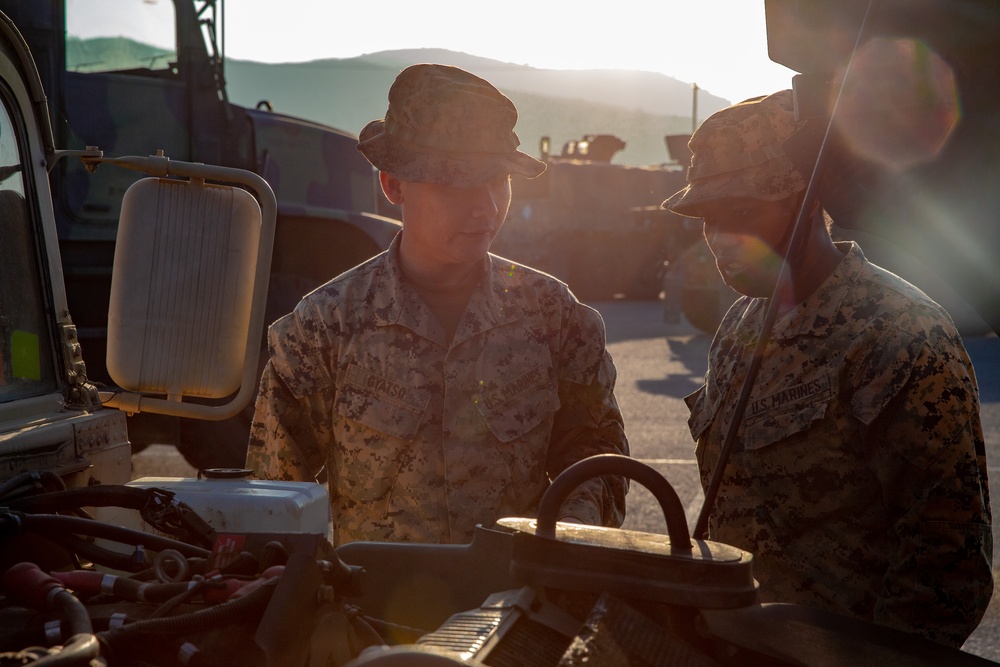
pixel 639 107
pixel 563 105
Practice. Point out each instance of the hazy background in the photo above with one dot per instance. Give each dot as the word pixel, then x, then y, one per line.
pixel 638 107
pixel 625 68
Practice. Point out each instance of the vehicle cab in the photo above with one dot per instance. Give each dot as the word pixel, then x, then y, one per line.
pixel 50 415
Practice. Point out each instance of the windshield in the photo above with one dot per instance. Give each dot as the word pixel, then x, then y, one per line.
pixel 25 342
pixel 120 35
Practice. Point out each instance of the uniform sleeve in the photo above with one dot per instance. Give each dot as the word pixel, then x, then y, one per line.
pixel 283 443
pixel 930 457
pixel 290 433
pixel 588 421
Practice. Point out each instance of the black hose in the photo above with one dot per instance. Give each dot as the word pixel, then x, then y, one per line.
pixel 49 524
pixel 82 646
pixel 228 613
pixel 181 596
pixel 157 506
pixel 35 478
pixel 105 495
pixel 88 551
pixel 72 611
pixel 80 651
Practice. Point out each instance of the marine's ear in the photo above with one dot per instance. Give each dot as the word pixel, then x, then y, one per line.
pixel 391 187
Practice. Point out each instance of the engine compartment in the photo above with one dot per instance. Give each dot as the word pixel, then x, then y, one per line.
pixel 187 589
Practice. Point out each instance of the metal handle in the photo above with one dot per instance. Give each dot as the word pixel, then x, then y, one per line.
pixel 615 464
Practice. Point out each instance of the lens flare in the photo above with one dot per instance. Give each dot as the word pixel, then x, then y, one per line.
pixel 900 103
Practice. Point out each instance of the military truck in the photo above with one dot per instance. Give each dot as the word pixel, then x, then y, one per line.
pixel 596 224
pixel 130 99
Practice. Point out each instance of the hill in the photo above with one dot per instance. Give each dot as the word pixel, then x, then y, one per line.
pixel 639 107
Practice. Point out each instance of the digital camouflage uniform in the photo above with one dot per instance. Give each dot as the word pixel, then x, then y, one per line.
pixel 421 439
pixel 858 477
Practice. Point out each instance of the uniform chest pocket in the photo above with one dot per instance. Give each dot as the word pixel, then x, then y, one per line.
pixel 381 404
pixel 372 435
pixel 520 405
pixel 387 417
pixel 785 413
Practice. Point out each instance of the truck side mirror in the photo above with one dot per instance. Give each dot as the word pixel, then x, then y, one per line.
pixel 188 290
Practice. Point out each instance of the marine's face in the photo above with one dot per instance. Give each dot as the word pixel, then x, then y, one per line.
pixel 449 225
pixel 749 239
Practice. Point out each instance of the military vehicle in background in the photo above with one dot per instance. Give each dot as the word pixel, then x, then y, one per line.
pixel 110 93
pixel 595 224
pixel 598 226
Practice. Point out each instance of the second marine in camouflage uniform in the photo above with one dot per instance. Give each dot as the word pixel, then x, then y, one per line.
pixel 858 475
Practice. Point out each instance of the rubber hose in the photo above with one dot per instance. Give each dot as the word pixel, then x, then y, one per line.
pixel 227 613
pixel 52 523
pixel 111 495
pixel 114 560
pixel 72 611
pixel 33 477
pixel 29 584
pixel 92 582
pixel 79 651
pixel 105 495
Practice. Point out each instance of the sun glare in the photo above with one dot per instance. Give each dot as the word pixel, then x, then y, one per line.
pixel 900 103
pixel 719 44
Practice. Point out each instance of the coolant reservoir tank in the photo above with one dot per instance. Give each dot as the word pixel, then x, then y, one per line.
pixel 231 503
pixel 234 504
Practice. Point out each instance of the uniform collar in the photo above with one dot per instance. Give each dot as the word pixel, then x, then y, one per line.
pixel 817 314
pixel 492 303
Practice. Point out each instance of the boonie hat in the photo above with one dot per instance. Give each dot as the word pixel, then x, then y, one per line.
pixel 445 125
pixel 737 152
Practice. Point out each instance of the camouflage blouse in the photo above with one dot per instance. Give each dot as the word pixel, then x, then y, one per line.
pixel 421 439
pixel 858 478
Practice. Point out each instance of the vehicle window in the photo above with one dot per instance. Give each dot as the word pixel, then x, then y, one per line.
pixel 120 35
pixel 25 343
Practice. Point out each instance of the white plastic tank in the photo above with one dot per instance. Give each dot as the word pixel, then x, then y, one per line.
pixel 230 503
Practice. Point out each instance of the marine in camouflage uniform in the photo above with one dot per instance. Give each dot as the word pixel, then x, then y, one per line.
pixel 426 427
pixel 858 476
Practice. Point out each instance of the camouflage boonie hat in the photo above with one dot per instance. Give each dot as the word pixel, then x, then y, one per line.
pixel 737 152
pixel 445 125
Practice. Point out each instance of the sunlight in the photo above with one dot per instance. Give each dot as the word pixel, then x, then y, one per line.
pixel 719 44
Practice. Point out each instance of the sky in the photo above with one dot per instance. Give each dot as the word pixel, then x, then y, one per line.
pixel 720 45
